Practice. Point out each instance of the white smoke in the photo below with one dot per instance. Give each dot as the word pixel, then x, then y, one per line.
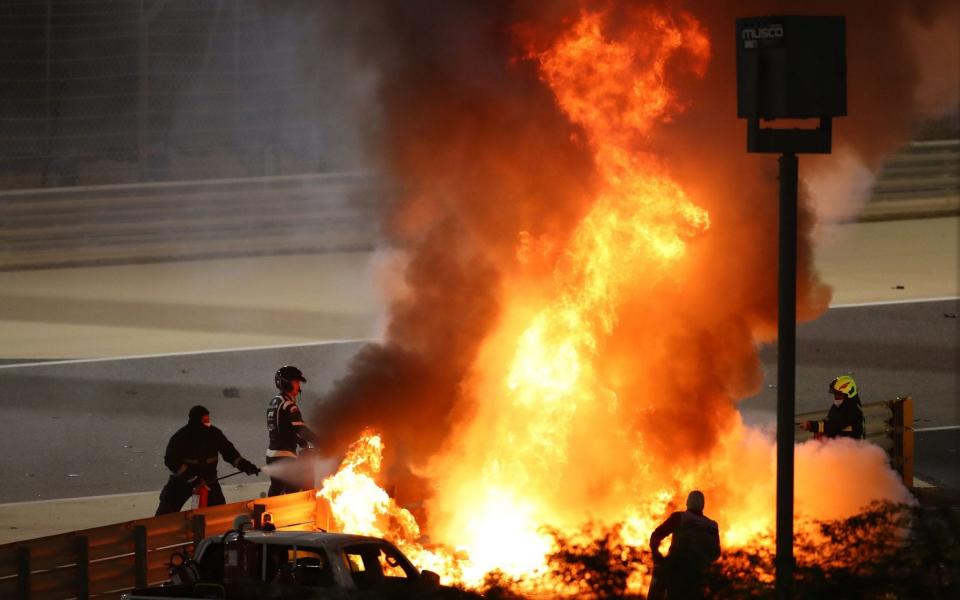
pixel 308 471
pixel 837 478
pixel 838 188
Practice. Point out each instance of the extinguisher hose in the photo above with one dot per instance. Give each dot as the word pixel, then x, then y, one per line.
pixel 230 475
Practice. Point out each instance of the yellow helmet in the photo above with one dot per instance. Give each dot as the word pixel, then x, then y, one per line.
pixel 845 385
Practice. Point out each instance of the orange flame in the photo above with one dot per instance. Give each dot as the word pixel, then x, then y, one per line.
pixel 358 504
pixel 500 491
pixel 552 439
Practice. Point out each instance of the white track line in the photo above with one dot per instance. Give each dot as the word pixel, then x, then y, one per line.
pixel 77 499
pixel 881 303
pixel 347 341
pixel 75 361
pixel 944 428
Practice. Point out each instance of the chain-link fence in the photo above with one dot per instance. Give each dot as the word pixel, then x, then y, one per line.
pixel 122 91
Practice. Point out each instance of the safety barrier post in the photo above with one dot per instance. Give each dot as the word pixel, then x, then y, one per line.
pixel 140 556
pixel 23 573
pixel 83 567
pixel 903 424
pixel 199 529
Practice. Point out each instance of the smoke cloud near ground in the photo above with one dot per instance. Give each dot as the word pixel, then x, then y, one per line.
pixel 494 172
pixel 843 459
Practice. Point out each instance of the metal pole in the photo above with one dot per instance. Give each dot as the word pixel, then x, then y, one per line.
pixel 23 573
pixel 236 62
pixel 47 93
pixel 199 529
pixel 48 54
pixel 82 545
pixel 786 373
pixel 145 15
pixel 140 563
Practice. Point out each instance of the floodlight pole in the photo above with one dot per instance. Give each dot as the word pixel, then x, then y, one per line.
pixel 789 67
pixel 787 142
pixel 786 372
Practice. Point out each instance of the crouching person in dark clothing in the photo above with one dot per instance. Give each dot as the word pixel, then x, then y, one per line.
pixel 694 546
pixel 192 458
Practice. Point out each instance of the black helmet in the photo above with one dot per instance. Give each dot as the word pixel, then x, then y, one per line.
pixel 287 374
pixel 197 413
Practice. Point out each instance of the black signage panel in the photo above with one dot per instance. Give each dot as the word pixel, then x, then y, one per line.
pixel 791 67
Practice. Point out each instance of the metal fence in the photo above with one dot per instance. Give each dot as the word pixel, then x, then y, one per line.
pixel 921 180
pixel 106 561
pixel 114 91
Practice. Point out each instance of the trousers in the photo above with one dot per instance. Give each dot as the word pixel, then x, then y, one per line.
pixel 177 491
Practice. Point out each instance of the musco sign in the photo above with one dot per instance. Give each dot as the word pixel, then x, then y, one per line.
pixel 791 67
pixel 750 35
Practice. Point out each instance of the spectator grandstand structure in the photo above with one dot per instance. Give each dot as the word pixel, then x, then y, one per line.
pixel 121 91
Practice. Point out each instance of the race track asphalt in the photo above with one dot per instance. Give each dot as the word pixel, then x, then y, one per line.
pixel 100 427
pixel 86 431
pixel 91 428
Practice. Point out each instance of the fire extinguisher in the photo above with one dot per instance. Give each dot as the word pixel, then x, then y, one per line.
pixel 201 494
pixel 241 559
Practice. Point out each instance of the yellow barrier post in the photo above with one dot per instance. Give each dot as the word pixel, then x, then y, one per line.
pixel 904 426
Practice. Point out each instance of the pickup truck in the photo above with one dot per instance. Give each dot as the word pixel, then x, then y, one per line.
pixel 248 565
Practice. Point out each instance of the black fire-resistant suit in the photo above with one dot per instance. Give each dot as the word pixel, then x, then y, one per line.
pixel 843 420
pixel 286 431
pixel 191 456
pixel 694 546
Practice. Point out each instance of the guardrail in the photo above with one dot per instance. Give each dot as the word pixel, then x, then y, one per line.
pixel 921 169
pixel 115 224
pixel 106 561
pixel 920 180
pixel 887 424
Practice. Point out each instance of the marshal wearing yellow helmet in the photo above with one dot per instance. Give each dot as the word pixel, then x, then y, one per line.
pixel 845 418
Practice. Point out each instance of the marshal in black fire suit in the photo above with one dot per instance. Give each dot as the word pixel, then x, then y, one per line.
pixel 191 457
pixel 694 545
pixel 286 431
pixel 845 417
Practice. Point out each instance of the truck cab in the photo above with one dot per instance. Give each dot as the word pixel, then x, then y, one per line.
pixel 294 564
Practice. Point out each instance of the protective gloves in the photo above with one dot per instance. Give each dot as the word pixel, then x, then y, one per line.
pixel 248 467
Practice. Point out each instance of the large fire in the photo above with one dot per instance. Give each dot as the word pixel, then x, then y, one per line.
pixel 557 434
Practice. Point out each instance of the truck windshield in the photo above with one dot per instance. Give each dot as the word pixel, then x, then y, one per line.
pixel 372 565
pixel 299 565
